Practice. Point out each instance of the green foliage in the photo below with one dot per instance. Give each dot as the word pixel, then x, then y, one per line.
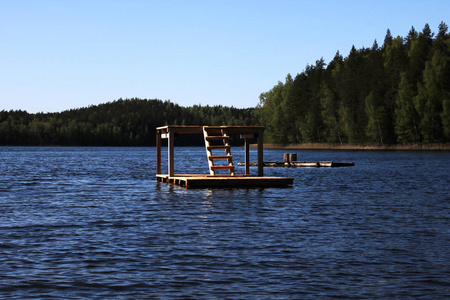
pixel 406 116
pixel 397 93
pixel 435 89
pixel 376 125
pixel 446 118
pixel 329 113
pixel 130 122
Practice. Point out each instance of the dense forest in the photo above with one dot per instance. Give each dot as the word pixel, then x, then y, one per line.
pixel 398 93
pixel 129 122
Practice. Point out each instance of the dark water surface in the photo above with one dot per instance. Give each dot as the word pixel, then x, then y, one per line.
pixel 93 223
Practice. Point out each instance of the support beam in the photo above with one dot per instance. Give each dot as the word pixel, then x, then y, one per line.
pixel 260 154
pixel 158 152
pixel 247 136
pixel 170 147
pixel 247 157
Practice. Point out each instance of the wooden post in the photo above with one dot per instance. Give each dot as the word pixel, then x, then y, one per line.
pixel 170 153
pixel 247 157
pixel 260 154
pixel 158 152
pixel 292 157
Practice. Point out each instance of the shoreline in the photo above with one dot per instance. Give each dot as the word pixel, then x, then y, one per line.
pixel 306 146
pixel 325 146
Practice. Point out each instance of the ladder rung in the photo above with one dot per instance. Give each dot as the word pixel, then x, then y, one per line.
pixel 221 157
pixel 216 137
pixel 222 167
pixel 218 147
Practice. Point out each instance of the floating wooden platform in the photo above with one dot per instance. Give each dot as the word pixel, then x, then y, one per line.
pixel 226 181
pixel 216 138
pixel 302 164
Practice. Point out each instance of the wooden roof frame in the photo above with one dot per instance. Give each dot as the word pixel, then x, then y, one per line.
pixel 169 132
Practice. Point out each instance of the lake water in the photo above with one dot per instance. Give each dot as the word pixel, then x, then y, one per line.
pixel 79 223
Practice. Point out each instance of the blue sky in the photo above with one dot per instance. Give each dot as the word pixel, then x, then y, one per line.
pixel 63 54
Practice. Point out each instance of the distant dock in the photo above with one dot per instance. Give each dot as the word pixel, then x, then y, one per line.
pixel 290 161
pixel 302 164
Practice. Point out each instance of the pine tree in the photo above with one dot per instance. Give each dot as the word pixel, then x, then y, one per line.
pixel 435 89
pixel 328 101
pixel 376 113
pixel 406 121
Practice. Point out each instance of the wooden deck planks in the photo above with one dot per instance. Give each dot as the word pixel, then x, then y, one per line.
pixel 206 181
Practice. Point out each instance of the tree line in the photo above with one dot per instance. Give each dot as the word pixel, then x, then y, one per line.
pixel 129 122
pixel 398 93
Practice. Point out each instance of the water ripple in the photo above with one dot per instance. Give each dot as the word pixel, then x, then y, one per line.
pixel 79 223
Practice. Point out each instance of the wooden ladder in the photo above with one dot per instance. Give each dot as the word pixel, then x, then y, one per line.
pixel 217 133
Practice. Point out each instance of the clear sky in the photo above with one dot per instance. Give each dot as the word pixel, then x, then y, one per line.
pixel 63 54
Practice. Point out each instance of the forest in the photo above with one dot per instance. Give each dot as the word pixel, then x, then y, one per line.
pixel 129 122
pixel 397 93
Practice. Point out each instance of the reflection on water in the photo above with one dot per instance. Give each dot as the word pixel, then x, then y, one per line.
pixel 93 223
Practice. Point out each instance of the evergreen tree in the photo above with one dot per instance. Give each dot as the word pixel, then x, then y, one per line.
pixel 435 89
pixel 406 125
pixel 309 122
pixel 329 104
pixel 273 114
pixel 445 116
pixel 387 39
pixel 395 62
pixel 352 88
pixel 376 113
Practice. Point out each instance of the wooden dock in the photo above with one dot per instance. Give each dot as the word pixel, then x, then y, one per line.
pixel 303 164
pixel 216 139
pixel 217 181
